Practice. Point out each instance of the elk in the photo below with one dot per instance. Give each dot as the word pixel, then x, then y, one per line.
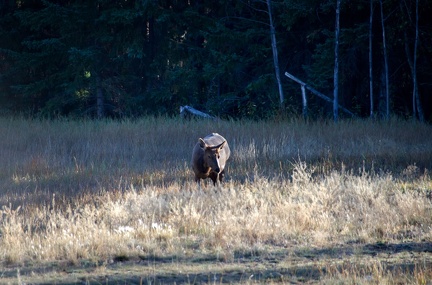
pixel 209 157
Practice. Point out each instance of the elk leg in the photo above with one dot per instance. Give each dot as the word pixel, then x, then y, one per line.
pixel 221 175
pixel 213 176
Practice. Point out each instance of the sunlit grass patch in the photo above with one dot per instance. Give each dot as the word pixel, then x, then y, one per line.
pixel 340 207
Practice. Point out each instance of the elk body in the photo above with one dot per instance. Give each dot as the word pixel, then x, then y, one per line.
pixel 209 157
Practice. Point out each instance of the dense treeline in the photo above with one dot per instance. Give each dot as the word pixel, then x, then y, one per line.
pixel 130 58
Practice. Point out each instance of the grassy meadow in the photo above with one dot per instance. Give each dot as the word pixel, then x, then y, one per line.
pixel 304 202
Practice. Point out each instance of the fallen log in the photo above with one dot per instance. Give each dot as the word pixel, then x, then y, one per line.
pixel 190 112
pixel 317 93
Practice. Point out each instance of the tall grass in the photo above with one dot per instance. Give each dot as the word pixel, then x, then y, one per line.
pixel 101 190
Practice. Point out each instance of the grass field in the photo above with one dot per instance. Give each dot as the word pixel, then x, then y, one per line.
pixel 113 202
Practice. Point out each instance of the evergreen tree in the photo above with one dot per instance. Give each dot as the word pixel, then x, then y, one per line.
pixel 128 58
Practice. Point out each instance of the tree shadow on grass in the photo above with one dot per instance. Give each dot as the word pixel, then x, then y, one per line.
pixel 367 249
pixel 285 265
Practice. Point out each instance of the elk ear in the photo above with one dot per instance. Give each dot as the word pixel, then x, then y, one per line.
pixel 202 143
pixel 220 147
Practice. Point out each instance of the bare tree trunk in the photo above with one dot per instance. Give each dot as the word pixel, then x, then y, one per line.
pixel 382 97
pixel 304 100
pixel 275 55
pixel 412 64
pixel 416 95
pixel 336 66
pixel 387 87
pixel 416 106
pixel 370 61
pixel 100 104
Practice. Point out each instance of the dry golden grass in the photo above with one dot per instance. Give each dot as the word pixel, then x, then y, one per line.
pixel 318 197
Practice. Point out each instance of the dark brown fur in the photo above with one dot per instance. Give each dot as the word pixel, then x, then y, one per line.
pixel 209 157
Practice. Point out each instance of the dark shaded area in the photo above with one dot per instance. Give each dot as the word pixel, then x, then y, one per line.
pixel 367 249
pixel 286 265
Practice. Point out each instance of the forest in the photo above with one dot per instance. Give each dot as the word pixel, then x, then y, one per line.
pixel 130 58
